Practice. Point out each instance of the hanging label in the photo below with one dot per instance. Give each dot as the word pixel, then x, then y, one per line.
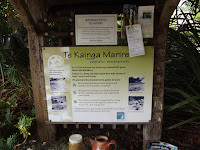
pixel 135 40
pixel 146 19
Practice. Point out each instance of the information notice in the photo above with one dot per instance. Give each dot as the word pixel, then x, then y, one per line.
pixel 96 29
pixel 98 84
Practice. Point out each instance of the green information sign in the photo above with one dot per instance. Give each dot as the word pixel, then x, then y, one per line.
pixel 98 84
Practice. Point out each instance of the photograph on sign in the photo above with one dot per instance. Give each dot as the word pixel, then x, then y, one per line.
pixel 96 29
pixel 57 84
pixel 136 84
pixel 58 102
pixel 136 103
pixel 105 84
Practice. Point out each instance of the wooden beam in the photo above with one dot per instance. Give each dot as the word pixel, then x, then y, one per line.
pixel 30 12
pixel 45 132
pixel 105 123
pixel 25 15
pixel 152 132
pixel 167 11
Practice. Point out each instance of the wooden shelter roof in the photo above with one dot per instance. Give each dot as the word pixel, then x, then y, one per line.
pixel 31 11
pixel 54 3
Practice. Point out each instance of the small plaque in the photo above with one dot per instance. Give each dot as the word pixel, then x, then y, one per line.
pixel 96 29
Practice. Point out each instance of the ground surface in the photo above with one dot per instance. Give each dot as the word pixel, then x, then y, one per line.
pixel 186 137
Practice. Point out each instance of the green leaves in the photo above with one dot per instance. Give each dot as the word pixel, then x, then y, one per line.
pixel 24 124
pixel 11 141
pixel 182 78
pixel 193 101
pixel 8 144
pixel 183 122
pixel 9 116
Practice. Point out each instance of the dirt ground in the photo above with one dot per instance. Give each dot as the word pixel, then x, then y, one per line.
pixel 185 137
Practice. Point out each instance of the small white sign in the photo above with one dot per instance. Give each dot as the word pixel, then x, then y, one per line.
pixel 135 40
pixel 96 29
pixel 146 19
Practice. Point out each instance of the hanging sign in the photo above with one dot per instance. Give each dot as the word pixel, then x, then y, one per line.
pixel 146 19
pixel 135 40
pixel 95 29
pixel 98 84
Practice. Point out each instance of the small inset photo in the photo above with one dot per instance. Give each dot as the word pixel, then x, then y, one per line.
pixel 136 102
pixel 59 107
pixel 136 84
pixel 146 15
pixel 120 115
pixel 57 84
pixel 59 102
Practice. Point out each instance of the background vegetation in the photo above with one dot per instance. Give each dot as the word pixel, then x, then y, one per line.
pixel 182 78
pixel 15 83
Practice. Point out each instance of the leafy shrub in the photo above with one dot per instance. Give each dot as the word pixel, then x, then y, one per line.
pixel 182 96
pixel 9 143
pixel 15 82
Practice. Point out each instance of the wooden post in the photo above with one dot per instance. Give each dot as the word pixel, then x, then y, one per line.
pixel 30 12
pixel 45 132
pixel 153 132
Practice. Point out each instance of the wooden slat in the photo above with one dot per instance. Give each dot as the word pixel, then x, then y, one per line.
pixel 59 19
pixel 114 126
pixel 107 123
pixel 57 34
pixel 139 126
pixel 126 126
pixel 77 126
pixel 72 15
pixel 59 38
pixel 101 126
pixel 50 20
pixel 89 126
pixel 43 27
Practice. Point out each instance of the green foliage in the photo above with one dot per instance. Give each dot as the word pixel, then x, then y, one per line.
pixel 7 116
pixel 182 78
pixel 11 141
pixel 8 144
pixel 24 125
pixel 14 62
pixel 15 83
